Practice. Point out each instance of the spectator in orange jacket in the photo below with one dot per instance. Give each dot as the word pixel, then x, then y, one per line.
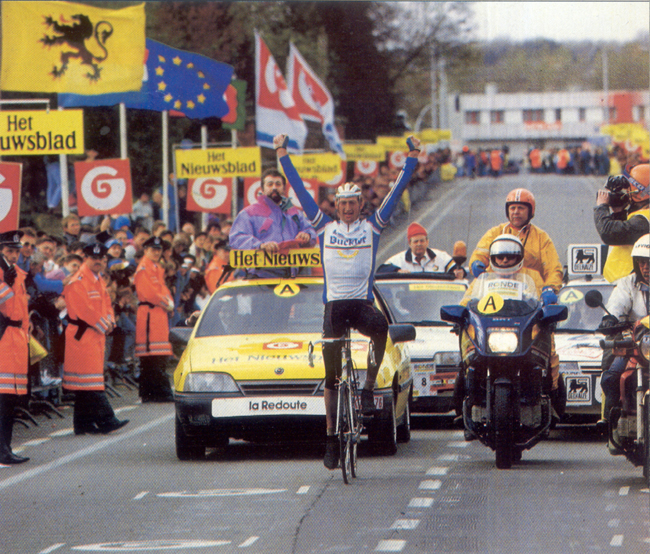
pixel 155 302
pixel 217 266
pixel 90 319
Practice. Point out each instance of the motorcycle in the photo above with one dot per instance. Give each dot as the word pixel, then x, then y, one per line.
pixel 505 340
pixel 629 424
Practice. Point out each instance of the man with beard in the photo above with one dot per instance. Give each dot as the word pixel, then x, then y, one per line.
pixel 272 220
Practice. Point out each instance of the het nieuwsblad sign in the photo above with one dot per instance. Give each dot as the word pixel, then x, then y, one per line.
pixel 35 133
pixel 219 162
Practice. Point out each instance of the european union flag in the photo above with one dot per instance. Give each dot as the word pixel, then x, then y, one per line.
pixel 173 80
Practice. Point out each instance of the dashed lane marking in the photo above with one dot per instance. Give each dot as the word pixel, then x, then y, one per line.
pixel 613 523
pixel 430 484
pixel 141 495
pixel 303 490
pixel 62 433
pixel 617 540
pixel 437 471
pixel 405 524
pixel 392 545
pixel 136 546
pixel 218 492
pixel 623 491
pixel 452 457
pixel 421 503
pixel 250 541
pixel 124 409
pixel 52 548
pixel 458 444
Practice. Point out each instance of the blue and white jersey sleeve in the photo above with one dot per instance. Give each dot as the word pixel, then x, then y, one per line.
pixel 381 217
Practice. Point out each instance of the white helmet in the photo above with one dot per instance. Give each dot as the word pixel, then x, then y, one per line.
pixel 348 190
pixel 507 245
pixel 640 251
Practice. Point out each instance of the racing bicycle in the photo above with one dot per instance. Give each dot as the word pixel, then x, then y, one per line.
pixel 349 421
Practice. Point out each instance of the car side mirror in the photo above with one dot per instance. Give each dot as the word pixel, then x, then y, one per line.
pixel 453 314
pixel 402 332
pixel 554 313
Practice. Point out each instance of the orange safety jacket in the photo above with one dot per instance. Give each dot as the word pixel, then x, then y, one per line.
pixel 214 272
pixel 90 316
pixel 14 344
pixel 535 158
pixel 152 323
pixel 496 160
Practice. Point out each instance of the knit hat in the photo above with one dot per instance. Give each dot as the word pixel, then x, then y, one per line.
pixel 415 229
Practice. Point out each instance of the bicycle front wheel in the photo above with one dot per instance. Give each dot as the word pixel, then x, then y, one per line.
pixel 344 432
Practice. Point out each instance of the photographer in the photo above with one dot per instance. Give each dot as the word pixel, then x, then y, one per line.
pixel 621 216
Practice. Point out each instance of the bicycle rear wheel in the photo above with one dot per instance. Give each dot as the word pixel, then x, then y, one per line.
pixel 344 431
pixel 355 431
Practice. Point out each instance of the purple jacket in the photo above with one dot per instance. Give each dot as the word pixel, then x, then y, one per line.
pixel 265 221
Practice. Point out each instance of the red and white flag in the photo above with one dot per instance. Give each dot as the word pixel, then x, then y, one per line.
pixel 312 98
pixel 10 181
pixel 275 110
pixel 103 187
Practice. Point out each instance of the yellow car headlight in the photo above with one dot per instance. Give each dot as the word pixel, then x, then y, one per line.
pixel 502 341
pixel 210 382
pixel 645 347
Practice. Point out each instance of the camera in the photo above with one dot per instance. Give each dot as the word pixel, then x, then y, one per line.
pixel 618 187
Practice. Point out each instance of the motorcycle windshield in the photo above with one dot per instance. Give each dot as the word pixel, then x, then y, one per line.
pixel 511 295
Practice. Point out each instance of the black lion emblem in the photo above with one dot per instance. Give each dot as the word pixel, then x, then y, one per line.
pixel 75 37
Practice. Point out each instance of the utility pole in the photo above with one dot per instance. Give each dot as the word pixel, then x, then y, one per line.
pixel 605 86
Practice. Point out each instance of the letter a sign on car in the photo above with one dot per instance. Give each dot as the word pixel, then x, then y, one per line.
pixel 103 187
pixel 209 194
pixel 10 180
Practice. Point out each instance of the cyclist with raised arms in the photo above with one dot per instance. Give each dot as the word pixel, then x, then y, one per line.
pixel 348 251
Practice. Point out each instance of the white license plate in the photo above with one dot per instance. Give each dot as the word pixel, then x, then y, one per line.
pixel 428 383
pixel 275 405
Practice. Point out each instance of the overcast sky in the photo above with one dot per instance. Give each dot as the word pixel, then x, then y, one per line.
pixel 562 20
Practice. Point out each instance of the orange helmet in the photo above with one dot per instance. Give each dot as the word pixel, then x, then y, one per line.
pixel 521 196
pixel 639 179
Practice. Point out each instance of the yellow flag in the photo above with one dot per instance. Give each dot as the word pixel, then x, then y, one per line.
pixel 73 48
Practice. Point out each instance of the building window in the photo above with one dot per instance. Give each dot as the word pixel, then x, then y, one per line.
pixel 472 117
pixel 582 114
pixel 497 116
pixel 558 114
pixel 640 112
pixel 533 116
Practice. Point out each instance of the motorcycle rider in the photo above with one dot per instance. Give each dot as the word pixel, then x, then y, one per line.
pixel 628 220
pixel 629 302
pixel 507 260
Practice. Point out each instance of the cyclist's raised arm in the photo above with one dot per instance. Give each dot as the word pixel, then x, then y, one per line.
pixel 382 215
pixel 316 217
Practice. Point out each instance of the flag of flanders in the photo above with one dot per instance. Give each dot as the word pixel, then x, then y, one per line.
pixel 74 48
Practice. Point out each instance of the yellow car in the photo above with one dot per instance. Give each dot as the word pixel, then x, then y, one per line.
pixel 244 373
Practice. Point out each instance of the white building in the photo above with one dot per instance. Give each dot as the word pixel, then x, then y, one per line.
pixel 545 119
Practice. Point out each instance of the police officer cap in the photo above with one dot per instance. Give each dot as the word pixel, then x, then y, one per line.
pixel 96 250
pixel 12 239
pixel 156 242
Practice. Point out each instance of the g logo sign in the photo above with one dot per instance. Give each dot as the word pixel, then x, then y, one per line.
pixel 103 187
pixel 6 202
pixel 103 193
pixel 209 192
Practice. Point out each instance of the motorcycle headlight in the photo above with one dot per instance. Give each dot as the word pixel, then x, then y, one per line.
pixel 645 347
pixel 502 341
pixel 210 382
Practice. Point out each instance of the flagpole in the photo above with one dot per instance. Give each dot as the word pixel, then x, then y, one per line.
pixel 204 146
pixel 165 169
pixel 123 152
pixel 65 185
pixel 233 138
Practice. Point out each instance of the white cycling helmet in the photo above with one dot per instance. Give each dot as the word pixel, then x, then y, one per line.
pixel 510 246
pixel 348 190
pixel 640 251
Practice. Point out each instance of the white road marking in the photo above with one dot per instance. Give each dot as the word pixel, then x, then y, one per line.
pixel 405 524
pixel 623 491
pixel 134 546
pixel 421 503
pixel 613 523
pixel 430 484
pixel 62 433
pixel 458 444
pixel 437 471
pixel 303 490
pixel 611 507
pixel 450 457
pixel 392 545
pixel 617 540
pixel 52 548
pixel 35 442
pixel 124 409
pixel 96 447
pixel 141 495
pixel 218 493
pixel 248 542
